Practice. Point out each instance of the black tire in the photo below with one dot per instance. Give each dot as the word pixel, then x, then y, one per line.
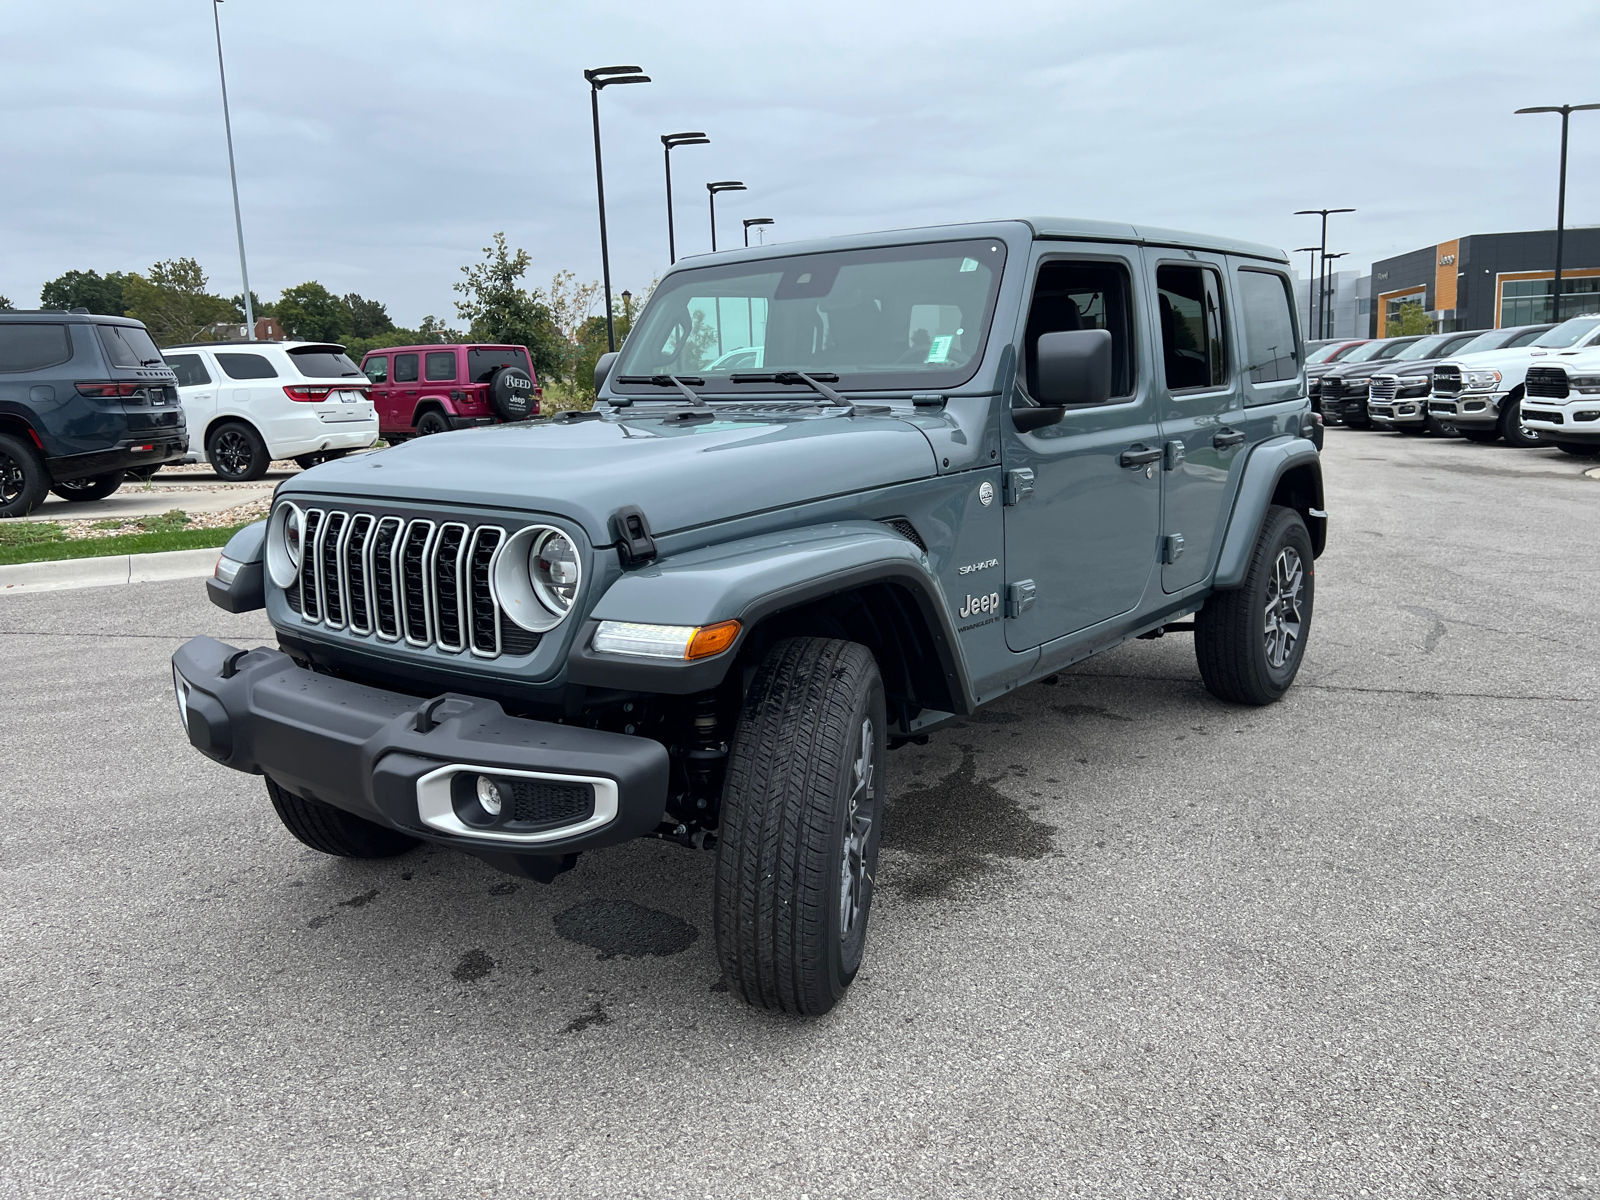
pixel 1513 430
pixel 23 479
pixel 237 453
pixel 95 487
pixel 1579 449
pixel 1240 659
pixel 334 831
pixel 793 891
pixel 1482 436
pixel 1436 427
pixel 511 394
pixel 432 422
pixel 1413 430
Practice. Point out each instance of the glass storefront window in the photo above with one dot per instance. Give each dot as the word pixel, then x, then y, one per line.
pixel 1528 301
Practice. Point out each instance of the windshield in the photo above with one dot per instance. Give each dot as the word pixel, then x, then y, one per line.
pixel 1568 333
pixel 1492 340
pixel 1371 350
pixel 1331 353
pixel 1423 348
pixel 881 317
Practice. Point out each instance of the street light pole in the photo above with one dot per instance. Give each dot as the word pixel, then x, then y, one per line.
pixel 1311 283
pixel 1322 299
pixel 749 221
pixel 1566 111
pixel 1332 294
pixel 233 178
pixel 669 142
pixel 600 77
pixel 725 185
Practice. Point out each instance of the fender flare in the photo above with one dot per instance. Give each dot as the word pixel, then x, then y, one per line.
pixel 1268 463
pixel 753 578
pixel 427 402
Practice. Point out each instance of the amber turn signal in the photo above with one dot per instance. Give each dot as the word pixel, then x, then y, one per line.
pixel 712 639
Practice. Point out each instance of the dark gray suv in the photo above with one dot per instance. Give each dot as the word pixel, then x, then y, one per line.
pixel 83 399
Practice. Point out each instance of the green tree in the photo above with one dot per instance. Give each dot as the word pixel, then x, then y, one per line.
pixel 500 310
pixel 261 308
pixel 5 305
pixel 101 294
pixel 368 318
pixel 172 301
pixel 1408 321
pixel 312 313
pixel 432 332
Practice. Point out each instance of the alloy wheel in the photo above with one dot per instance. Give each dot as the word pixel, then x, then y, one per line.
pixel 13 479
pixel 853 877
pixel 232 452
pixel 1283 617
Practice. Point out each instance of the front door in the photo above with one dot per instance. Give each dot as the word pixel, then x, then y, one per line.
pixel 1085 534
pixel 1201 403
pixel 403 390
pixel 376 369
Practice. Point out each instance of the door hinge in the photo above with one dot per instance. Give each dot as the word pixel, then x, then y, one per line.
pixel 1020 597
pixel 1174 458
pixel 1172 547
pixel 1019 485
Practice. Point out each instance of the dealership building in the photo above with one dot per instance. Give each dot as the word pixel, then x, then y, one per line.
pixel 1489 280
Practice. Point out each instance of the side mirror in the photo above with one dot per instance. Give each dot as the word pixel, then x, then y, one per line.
pixel 1075 367
pixel 602 368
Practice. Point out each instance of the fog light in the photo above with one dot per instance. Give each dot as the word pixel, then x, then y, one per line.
pixel 489 796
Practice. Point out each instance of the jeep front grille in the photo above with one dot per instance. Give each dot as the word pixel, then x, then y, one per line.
pixel 1548 383
pixel 1447 381
pixel 420 582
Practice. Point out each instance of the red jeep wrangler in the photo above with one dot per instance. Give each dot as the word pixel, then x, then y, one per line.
pixel 430 389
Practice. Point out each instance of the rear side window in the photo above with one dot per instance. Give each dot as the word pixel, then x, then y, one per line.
pixel 128 346
pixel 441 366
pixel 190 370
pixel 482 364
pixel 246 366
pixel 323 362
pixel 377 369
pixel 1082 295
pixel 33 347
pixel 1193 340
pixel 1268 323
pixel 405 368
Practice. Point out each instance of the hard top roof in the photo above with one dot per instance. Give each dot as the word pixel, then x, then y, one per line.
pixel 257 343
pixel 444 346
pixel 54 315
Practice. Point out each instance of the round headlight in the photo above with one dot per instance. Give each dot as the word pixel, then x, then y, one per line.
pixel 285 539
pixel 293 530
pixel 553 571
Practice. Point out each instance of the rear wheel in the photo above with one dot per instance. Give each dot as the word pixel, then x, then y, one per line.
pixel 95 487
pixel 237 453
pixel 1482 436
pixel 23 479
pixel 334 831
pixel 432 422
pixel 802 811
pixel 1249 641
pixel 1513 430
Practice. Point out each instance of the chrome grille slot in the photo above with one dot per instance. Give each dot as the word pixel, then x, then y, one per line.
pixel 415 618
pixel 385 596
pixel 1447 381
pixel 483 612
pixel 310 595
pixel 328 539
pixel 354 573
pixel 449 594
pixel 1384 387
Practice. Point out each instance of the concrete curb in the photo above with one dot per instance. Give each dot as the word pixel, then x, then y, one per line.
pixel 107 571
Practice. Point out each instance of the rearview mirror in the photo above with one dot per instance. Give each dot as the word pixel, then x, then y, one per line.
pixel 1074 367
pixel 602 368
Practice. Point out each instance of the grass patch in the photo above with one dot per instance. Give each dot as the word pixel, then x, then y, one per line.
pixel 57 548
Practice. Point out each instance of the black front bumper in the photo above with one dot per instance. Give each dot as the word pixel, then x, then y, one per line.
pixel 365 750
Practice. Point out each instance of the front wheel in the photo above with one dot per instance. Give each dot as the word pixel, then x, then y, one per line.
pixel 334 831
pixel 802 811
pixel 1249 641
pixel 95 487
pixel 1513 430
pixel 1482 436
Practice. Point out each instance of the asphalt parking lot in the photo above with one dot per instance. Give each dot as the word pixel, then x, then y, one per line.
pixel 1129 941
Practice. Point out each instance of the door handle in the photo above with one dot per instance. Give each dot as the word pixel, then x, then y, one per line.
pixel 1138 456
pixel 1227 437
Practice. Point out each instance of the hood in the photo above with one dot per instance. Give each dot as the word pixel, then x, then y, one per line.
pixel 681 473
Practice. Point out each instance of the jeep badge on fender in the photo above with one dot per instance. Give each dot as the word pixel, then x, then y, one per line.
pixel 705 612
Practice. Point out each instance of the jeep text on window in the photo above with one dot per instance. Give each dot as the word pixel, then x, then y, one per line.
pixel 190 370
pixel 405 368
pixel 33 347
pixel 1268 323
pixel 1193 342
pixel 377 369
pixel 440 366
pixel 245 366
pixel 1072 295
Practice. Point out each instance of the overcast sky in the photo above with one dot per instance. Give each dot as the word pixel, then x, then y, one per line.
pixel 380 145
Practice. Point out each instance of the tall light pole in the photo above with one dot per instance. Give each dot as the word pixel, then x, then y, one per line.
pixel 670 142
pixel 1566 111
pixel 601 77
pixel 233 178
pixel 1323 213
pixel 1331 294
pixel 1311 283
pixel 749 221
pixel 725 185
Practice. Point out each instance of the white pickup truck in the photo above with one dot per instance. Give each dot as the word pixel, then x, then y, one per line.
pixel 1480 396
pixel 1562 402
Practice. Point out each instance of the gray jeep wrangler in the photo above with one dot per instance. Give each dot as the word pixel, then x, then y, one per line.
pixel 952 461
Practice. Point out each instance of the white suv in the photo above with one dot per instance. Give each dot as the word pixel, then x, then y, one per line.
pixel 1563 402
pixel 1482 396
pixel 249 403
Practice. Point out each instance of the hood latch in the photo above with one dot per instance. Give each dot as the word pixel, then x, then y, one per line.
pixel 634 543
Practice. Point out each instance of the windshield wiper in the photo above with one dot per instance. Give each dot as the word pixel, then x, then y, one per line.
pixel 681 382
pixel 817 383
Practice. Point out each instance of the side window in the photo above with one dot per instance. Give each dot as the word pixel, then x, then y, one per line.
pixel 191 372
pixel 1268 322
pixel 33 347
pixel 405 368
pixel 1072 295
pixel 1523 339
pixel 246 366
pixel 440 366
pixel 1193 339
pixel 377 369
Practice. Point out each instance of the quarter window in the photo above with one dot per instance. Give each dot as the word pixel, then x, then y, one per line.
pixel 1082 295
pixel 1193 341
pixel 405 368
pixel 1271 353
pixel 441 366
pixel 189 369
pixel 246 366
pixel 377 369
pixel 33 347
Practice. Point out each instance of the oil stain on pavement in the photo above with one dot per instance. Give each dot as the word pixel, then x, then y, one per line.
pixel 956 829
pixel 474 965
pixel 622 928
